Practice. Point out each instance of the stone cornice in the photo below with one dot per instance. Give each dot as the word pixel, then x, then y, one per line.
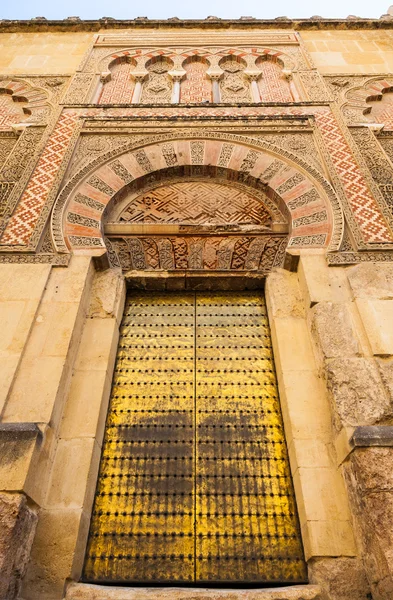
pixel 100 25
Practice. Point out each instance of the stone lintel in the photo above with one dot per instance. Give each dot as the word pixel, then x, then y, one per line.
pixel 373 435
pixel 82 591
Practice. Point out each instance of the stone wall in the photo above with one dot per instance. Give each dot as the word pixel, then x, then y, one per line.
pixel 62 161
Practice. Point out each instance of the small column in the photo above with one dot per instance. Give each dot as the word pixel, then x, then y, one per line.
pixel 287 73
pixel 253 76
pixel 176 77
pixel 215 75
pixel 139 78
pixel 216 90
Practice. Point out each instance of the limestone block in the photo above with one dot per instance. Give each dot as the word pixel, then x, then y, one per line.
pixel 22 282
pixel 320 283
pixel 373 469
pixel 377 317
pixel 305 407
pixel 310 453
pixel 323 495
pixel 81 591
pixel 378 508
pixel 107 295
pixel 333 330
pixel 53 329
pixel 21 288
pixel 341 578
pixel 17 528
pixel 34 390
pixel 386 371
pixel 18 441
pixel 48 54
pixel 292 345
pixel 283 295
pixel 57 554
pixel 342 444
pixel 8 367
pixel 87 404
pixel 372 519
pixel 16 318
pixel 371 280
pixel 357 393
pixel 328 538
pixel 50 350
pixel 98 346
pixel 67 285
pixel 74 474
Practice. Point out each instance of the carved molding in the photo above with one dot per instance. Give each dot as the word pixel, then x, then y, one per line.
pixel 283 155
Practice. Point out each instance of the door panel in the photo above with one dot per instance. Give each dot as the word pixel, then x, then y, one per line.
pixel 194 483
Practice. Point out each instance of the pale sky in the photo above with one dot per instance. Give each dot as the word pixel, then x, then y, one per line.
pixel 186 9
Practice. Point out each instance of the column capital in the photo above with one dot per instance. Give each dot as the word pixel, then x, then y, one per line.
pixel 215 73
pixel 177 75
pixel 139 75
pixel 287 73
pixel 105 76
pixel 253 75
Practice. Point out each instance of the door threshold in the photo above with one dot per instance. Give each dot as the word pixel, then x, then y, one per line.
pixel 87 591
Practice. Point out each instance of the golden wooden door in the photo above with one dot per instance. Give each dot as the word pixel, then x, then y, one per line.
pixel 194 483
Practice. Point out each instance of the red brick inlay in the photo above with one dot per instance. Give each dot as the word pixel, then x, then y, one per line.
pixel 196 87
pixel 23 222
pixel 272 85
pixel 364 207
pixel 120 88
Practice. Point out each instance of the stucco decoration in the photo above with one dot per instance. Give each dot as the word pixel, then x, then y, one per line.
pixel 294 194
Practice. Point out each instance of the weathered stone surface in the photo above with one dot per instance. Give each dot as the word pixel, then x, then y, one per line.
pixel 377 317
pixel 386 370
pixel 283 295
pixel 78 591
pixel 369 481
pixel 57 554
pixel 318 282
pixel 373 469
pixel 370 280
pixel 17 444
pixel 340 578
pixel 107 294
pixel 357 393
pixel 333 330
pixel 17 528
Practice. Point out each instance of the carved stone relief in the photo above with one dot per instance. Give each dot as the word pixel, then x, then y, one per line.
pixel 213 253
pixel 234 85
pixel 158 87
pixel 196 202
pixel 380 167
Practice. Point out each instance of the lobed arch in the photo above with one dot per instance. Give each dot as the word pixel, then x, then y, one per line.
pixel 298 198
pixel 359 101
pixel 118 86
pixel 249 54
pixel 33 100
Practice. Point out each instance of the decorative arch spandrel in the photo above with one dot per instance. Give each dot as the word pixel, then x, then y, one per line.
pixel 287 186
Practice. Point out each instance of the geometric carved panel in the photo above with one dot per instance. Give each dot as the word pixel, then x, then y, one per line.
pixel 196 203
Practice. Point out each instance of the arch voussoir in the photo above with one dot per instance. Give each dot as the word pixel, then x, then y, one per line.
pixel 293 196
